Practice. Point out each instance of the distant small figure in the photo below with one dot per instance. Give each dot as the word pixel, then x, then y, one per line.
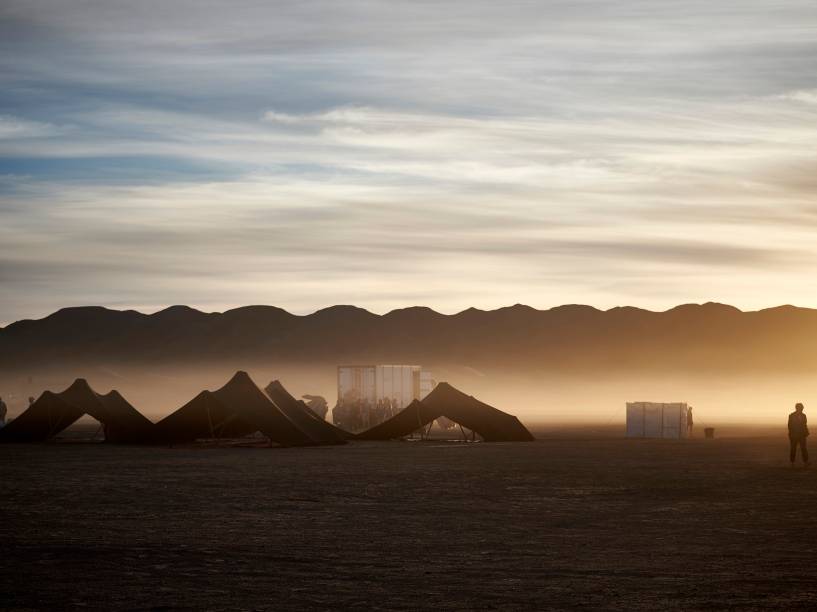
pixel 3 412
pixel 798 432
pixel 30 400
pixel 690 422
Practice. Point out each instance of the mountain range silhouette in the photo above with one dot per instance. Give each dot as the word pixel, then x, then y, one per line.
pixel 707 337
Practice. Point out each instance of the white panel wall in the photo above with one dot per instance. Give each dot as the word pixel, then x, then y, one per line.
pixel 656 420
pixel 653 420
pixel 344 381
pixel 378 384
pixel 672 421
pixel 357 379
pixel 426 383
pixel 369 384
pixel 394 382
pixel 387 390
pixel 635 419
pixel 406 386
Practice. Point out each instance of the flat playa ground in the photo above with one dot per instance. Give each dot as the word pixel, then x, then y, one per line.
pixel 558 523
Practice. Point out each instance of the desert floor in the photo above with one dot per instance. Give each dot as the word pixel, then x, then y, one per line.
pixel 579 521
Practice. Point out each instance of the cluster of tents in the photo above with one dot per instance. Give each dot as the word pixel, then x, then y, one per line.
pixel 240 408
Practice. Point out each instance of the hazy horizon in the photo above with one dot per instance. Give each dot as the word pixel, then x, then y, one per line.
pixel 557 400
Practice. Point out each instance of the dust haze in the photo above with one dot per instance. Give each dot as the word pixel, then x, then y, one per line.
pixel 555 400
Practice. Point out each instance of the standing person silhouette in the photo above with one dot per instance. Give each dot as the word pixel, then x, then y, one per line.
pixel 798 432
pixel 690 422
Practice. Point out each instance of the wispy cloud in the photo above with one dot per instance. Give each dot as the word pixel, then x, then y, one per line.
pixel 16 128
pixel 804 96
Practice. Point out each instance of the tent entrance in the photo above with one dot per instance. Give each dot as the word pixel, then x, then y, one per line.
pixel 86 430
pixel 444 429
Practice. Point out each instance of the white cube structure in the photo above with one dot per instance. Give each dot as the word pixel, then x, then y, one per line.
pixel 657 420
pixel 401 384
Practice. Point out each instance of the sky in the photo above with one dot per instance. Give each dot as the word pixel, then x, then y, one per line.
pixel 389 154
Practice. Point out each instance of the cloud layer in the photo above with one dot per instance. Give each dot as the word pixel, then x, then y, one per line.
pixel 386 154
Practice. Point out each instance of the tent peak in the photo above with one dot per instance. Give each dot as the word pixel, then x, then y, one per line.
pixel 81 384
pixel 276 384
pixel 242 377
pixel 241 385
pixel 445 389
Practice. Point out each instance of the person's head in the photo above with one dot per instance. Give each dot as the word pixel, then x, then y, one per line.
pixel 798 407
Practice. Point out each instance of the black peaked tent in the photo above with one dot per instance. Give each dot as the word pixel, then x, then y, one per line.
pixel 202 417
pixel 251 405
pixel 411 418
pixel 54 412
pixel 237 409
pixel 491 424
pixel 319 430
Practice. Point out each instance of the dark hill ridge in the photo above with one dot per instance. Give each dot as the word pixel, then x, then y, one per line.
pixel 708 337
